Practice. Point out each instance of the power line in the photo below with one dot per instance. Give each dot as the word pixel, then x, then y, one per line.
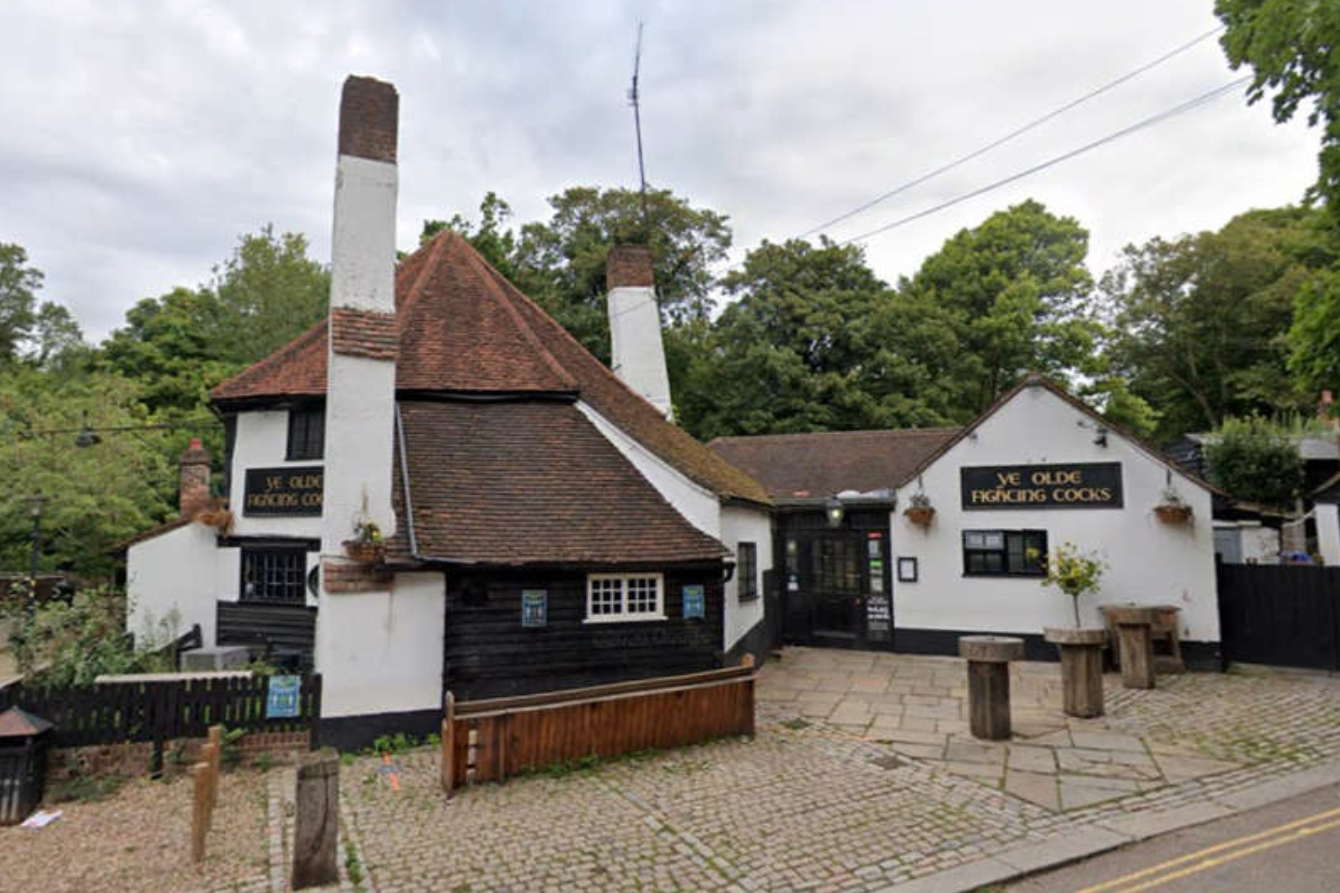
pixel 1013 133
pixel 1187 106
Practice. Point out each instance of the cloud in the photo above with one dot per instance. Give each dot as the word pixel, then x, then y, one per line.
pixel 141 139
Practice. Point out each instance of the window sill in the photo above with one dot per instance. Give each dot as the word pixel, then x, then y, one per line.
pixel 623 618
pixel 1005 575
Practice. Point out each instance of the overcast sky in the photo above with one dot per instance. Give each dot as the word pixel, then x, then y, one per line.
pixel 137 140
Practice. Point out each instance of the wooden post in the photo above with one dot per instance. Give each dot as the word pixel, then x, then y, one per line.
pixel 216 760
pixel 988 660
pixel 1137 655
pixel 448 765
pixel 316 822
pixel 207 760
pixel 748 661
pixel 1082 680
pixel 199 811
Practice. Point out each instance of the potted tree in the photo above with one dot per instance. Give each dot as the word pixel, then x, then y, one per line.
pixel 367 546
pixel 919 510
pixel 1076 575
pixel 1172 510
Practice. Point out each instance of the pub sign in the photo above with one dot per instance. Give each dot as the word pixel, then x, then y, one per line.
pixel 283 491
pixel 1080 485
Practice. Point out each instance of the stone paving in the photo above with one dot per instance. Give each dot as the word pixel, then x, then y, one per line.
pixel 861 777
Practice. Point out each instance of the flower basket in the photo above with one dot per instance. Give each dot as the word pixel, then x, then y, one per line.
pixel 1173 513
pixel 364 552
pixel 920 515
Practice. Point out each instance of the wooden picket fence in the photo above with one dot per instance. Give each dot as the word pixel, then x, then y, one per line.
pixel 491 740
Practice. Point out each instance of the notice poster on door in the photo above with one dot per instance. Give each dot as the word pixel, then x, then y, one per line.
pixel 878 617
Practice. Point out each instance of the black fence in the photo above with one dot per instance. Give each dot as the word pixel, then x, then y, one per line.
pixel 161 710
pixel 1285 615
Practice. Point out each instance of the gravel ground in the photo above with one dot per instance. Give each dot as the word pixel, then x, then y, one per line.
pixel 139 840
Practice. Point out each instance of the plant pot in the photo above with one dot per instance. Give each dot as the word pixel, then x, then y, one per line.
pixel 1081 668
pixel 364 552
pixel 920 515
pixel 1173 514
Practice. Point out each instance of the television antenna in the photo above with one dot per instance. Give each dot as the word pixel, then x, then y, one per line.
pixel 633 100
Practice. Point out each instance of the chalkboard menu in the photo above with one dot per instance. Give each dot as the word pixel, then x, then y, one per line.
pixel 1083 485
pixel 283 491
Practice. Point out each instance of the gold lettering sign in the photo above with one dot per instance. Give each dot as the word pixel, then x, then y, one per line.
pixel 283 491
pixel 1081 485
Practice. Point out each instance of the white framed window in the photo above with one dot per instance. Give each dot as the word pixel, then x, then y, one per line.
pixel 615 597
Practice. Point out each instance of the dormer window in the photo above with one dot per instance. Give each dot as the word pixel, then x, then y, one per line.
pixel 306 432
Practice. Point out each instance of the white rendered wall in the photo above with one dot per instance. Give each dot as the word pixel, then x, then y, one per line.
pixel 360 430
pixel 637 352
pixel 1328 532
pixel 362 271
pixel 749 526
pixel 1260 544
pixel 699 506
pixel 382 652
pixel 261 441
pixel 1149 562
pixel 173 571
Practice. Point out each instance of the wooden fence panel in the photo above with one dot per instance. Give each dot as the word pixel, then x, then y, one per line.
pixel 1285 615
pixel 512 736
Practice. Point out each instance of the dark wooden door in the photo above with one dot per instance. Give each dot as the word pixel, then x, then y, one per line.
pixel 836 588
pixel 1285 615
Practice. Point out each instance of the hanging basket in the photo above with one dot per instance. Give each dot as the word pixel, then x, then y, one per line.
pixel 364 552
pixel 920 515
pixel 1173 514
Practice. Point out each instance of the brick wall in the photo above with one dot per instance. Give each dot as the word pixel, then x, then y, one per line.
pixel 628 266
pixel 369 115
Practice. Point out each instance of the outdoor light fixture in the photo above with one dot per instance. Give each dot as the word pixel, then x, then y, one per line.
pixel 87 437
pixel 1100 437
pixel 834 510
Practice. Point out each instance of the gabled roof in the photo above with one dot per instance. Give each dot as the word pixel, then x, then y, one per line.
pixel 466 331
pixel 1037 379
pixel 491 483
pixel 820 464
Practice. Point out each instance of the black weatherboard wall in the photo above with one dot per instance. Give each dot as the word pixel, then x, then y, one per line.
pixel 489 653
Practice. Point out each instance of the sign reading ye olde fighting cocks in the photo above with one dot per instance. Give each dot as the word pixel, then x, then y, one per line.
pixel 283 491
pixel 1076 486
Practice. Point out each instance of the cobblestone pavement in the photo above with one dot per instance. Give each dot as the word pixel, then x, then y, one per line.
pixel 861 776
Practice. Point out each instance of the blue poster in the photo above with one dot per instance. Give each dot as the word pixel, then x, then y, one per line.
pixel 695 603
pixel 534 607
pixel 282 701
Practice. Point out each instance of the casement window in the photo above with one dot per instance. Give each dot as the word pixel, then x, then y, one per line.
pixel 306 432
pixel 611 597
pixel 746 571
pixel 1004 553
pixel 274 576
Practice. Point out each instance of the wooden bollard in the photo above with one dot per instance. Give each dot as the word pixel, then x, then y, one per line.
pixel 211 783
pixel 316 822
pixel 988 660
pixel 448 764
pixel 216 761
pixel 199 811
pixel 1135 643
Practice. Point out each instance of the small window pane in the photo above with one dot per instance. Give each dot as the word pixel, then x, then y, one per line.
pixel 642 595
pixel 993 539
pixel 747 569
pixel 606 596
pixel 274 575
pixel 974 539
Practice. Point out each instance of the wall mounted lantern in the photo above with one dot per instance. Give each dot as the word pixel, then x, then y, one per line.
pixel 834 511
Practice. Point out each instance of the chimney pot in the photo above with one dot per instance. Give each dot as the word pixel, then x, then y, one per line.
pixel 193 490
pixel 369 116
pixel 629 266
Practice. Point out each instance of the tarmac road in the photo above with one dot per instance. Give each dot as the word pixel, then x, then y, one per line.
pixel 1288 847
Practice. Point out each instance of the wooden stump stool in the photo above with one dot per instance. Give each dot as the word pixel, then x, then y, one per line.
pixel 1081 668
pixel 1135 641
pixel 988 660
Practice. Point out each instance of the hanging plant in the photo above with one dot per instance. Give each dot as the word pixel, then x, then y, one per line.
pixel 919 510
pixel 367 546
pixel 1172 510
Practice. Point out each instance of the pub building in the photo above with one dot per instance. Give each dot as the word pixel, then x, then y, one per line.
pixel 905 540
pixel 438 489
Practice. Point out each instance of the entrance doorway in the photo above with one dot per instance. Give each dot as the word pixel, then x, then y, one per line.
pixel 836 588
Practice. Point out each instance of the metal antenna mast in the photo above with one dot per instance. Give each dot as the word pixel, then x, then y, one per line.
pixel 637 125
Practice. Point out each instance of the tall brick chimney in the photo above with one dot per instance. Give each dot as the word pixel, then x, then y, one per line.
pixel 637 353
pixel 193 481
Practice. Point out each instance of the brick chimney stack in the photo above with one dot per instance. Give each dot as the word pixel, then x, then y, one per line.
pixel 637 352
pixel 193 482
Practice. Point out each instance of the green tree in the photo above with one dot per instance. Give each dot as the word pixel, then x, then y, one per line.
pixel 19 283
pixel 1291 48
pixel 488 236
pixel 1014 293
pixel 1253 460
pixel 1199 325
pixel 1314 338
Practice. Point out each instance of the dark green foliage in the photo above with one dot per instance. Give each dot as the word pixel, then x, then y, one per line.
pixel 1253 460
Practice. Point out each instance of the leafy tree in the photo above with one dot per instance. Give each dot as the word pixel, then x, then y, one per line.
pixel 1199 326
pixel 19 283
pixel 56 341
pixel 1291 47
pixel 1315 334
pixel 496 244
pixel 1253 460
pixel 1014 293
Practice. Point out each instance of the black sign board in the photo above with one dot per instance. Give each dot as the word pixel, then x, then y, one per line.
pixel 283 491
pixel 1082 485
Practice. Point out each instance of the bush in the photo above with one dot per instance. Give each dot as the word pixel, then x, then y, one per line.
pixel 1255 460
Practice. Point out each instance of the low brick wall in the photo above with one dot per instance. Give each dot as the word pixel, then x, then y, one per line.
pixel 136 758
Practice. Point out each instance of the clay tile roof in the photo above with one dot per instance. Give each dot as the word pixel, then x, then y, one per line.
pixel 818 465
pixel 491 483
pixel 464 329
pixel 17 723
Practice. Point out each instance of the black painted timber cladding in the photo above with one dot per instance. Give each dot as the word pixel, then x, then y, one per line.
pixel 286 627
pixel 488 653
pixel 1286 615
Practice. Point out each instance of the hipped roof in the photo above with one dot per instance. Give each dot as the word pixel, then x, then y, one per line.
pixel 466 331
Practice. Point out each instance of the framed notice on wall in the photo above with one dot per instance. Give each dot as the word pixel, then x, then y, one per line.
pixel 695 603
pixel 534 607
pixel 282 696
pixel 907 570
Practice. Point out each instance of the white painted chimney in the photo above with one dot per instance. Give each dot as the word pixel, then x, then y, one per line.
pixel 360 385
pixel 637 353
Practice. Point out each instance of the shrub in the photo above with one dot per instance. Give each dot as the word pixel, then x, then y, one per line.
pixel 1255 460
pixel 1074 573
